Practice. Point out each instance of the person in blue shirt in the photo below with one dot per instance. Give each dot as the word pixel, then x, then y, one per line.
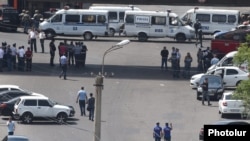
pixel 157 132
pixel 82 98
pixel 167 132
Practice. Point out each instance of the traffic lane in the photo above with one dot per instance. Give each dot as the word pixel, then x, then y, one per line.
pixel 138 105
pixel 130 110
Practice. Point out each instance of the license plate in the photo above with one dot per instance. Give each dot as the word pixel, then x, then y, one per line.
pixel 234 110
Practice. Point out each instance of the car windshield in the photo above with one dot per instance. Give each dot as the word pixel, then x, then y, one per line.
pixel 213 81
pixel 52 102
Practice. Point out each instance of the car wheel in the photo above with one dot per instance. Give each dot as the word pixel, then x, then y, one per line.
pixel 112 32
pixel 27 118
pixel 50 34
pixel 142 37
pixel 237 84
pixel 87 36
pixel 180 38
pixel 61 118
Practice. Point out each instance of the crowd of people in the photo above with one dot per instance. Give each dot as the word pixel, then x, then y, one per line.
pixel 13 58
pixel 205 58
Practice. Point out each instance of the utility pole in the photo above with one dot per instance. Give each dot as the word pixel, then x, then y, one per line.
pixel 99 86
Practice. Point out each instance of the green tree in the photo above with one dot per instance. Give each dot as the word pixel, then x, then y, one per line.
pixel 242 91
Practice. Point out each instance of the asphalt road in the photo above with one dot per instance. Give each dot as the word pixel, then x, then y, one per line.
pixel 134 99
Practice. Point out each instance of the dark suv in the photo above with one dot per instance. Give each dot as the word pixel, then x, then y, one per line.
pixel 215 86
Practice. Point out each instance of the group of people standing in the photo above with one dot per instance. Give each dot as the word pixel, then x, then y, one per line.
pixel 69 54
pixel 28 21
pixel 13 58
pixel 174 59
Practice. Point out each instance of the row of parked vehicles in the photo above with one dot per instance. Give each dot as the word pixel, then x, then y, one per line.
pixel 135 22
pixel 27 106
pixel 220 76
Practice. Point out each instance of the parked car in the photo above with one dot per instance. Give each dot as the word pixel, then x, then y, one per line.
pixel 7 95
pixel 231 75
pixel 228 41
pixel 29 107
pixel 10 87
pixel 215 86
pixel 15 138
pixel 228 105
pixel 7 107
pixel 223 122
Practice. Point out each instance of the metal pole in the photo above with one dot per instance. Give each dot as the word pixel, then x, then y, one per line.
pixel 98 103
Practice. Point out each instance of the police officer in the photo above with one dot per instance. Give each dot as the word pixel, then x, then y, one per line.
pixel 83 53
pixel 26 21
pixel 21 17
pixel 71 47
pixel 197 26
pixel 36 19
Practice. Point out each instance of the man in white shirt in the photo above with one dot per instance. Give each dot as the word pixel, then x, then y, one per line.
pixel 42 37
pixel 32 38
pixel 13 54
pixel 63 62
pixel 21 53
pixel 1 58
pixel 11 126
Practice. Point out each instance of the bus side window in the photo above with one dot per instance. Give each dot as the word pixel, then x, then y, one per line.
pixel 101 19
pixel 72 19
pixel 113 16
pixel 1 12
pixel 129 19
pixel 121 16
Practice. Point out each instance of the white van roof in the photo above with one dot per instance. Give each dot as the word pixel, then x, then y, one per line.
pixel 150 13
pixel 81 11
pixel 118 8
pixel 212 11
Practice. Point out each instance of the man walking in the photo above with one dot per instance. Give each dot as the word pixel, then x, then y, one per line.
pixel 205 92
pixel 91 107
pixel 81 98
pixel 157 132
pixel 52 51
pixel 164 58
pixel 167 132
pixel 64 63
pixel 11 126
pixel 32 38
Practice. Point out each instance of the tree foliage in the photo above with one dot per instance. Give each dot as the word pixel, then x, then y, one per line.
pixel 242 91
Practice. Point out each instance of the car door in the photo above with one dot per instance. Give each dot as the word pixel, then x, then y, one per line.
pixel 231 77
pixel 158 26
pixel 45 109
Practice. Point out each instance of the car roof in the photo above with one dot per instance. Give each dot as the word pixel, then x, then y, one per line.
pixel 34 97
pixel 17 138
pixel 225 122
pixel 9 86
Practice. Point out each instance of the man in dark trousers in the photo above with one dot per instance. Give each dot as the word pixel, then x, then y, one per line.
pixel 197 26
pixel 164 58
pixel 52 52
pixel 91 107
pixel 205 92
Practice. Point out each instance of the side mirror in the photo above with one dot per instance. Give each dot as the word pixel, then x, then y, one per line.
pixel 224 83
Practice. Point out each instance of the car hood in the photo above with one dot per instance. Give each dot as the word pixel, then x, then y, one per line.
pixel 58 106
pixel 197 76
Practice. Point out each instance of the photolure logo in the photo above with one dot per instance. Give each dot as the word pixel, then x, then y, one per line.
pixel 225 132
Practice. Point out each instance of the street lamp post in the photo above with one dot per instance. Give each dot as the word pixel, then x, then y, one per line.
pixel 99 86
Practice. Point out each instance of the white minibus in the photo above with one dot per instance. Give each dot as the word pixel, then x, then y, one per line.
pixel 212 20
pixel 154 24
pixel 116 16
pixel 77 22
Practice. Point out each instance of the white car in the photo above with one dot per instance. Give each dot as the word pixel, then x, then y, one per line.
pixel 231 75
pixel 29 107
pixel 227 105
pixel 10 87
